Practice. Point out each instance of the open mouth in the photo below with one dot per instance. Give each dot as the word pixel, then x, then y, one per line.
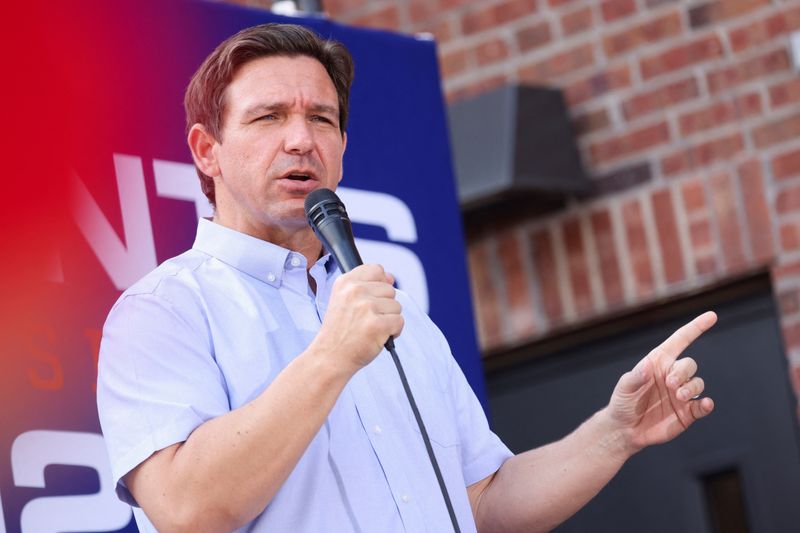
pixel 298 177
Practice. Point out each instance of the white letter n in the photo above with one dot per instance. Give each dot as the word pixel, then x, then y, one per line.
pixel 125 260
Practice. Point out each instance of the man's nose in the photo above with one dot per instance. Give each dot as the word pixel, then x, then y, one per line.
pixel 299 138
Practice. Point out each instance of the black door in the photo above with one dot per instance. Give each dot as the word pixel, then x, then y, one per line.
pixel 737 470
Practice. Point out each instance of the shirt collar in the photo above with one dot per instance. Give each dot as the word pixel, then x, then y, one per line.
pixel 255 257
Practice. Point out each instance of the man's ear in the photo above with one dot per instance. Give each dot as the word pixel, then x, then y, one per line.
pixel 341 167
pixel 202 143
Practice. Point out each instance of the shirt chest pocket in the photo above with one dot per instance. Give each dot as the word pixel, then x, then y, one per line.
pixel 439 423
pixel 388 400
pixel 435 408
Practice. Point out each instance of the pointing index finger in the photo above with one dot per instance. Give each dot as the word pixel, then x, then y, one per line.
pixel 685 335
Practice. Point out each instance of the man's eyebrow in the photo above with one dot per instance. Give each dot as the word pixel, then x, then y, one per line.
pixel 324 108
pixel 265 108
pixel 257 109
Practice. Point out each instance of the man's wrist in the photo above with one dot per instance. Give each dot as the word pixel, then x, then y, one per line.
pixel 326 364
pixel 615 441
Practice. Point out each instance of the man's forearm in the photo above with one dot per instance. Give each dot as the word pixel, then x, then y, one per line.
pixel 230 467
pixel 539 489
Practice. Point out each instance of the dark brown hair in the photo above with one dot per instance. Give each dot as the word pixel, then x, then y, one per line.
pixel 205 95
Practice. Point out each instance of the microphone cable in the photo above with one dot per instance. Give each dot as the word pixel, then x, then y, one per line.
pixel 391 348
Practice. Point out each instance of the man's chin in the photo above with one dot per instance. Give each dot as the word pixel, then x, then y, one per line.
pixel 294 217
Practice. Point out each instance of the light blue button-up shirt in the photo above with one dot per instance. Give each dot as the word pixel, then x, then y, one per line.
pixel 208 331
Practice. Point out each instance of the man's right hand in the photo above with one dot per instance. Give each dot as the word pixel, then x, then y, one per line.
pixel 362 314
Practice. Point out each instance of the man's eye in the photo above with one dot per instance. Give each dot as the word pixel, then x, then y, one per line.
pixel 320 118
pixel 268 117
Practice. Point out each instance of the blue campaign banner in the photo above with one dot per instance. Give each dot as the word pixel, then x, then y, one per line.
pixel 132 200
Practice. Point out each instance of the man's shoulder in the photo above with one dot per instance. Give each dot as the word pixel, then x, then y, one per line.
pixel 414 314
pixel 170 288
pixel 173 274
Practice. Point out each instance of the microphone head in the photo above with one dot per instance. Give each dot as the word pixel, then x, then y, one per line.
pixel 328 218
pixel 321 204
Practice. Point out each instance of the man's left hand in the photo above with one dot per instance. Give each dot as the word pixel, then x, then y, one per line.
pixel 660 397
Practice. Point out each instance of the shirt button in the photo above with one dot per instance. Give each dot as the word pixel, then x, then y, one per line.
pixel 377 430
pixel 270 277
pixel 295 261
pixel 406 498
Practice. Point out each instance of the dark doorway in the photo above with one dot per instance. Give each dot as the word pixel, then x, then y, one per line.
pixel 736 471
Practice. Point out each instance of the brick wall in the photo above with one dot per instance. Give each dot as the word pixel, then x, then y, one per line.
pixel 688 121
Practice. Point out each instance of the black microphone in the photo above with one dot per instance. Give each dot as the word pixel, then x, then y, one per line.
pixel 328 217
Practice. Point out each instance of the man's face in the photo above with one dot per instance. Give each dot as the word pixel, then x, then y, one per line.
pixel 280 141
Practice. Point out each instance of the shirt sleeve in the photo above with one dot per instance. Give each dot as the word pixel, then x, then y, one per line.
pixel 482 451
pixel 157 379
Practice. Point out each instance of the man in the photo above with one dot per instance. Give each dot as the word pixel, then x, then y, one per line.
pixel 243 383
